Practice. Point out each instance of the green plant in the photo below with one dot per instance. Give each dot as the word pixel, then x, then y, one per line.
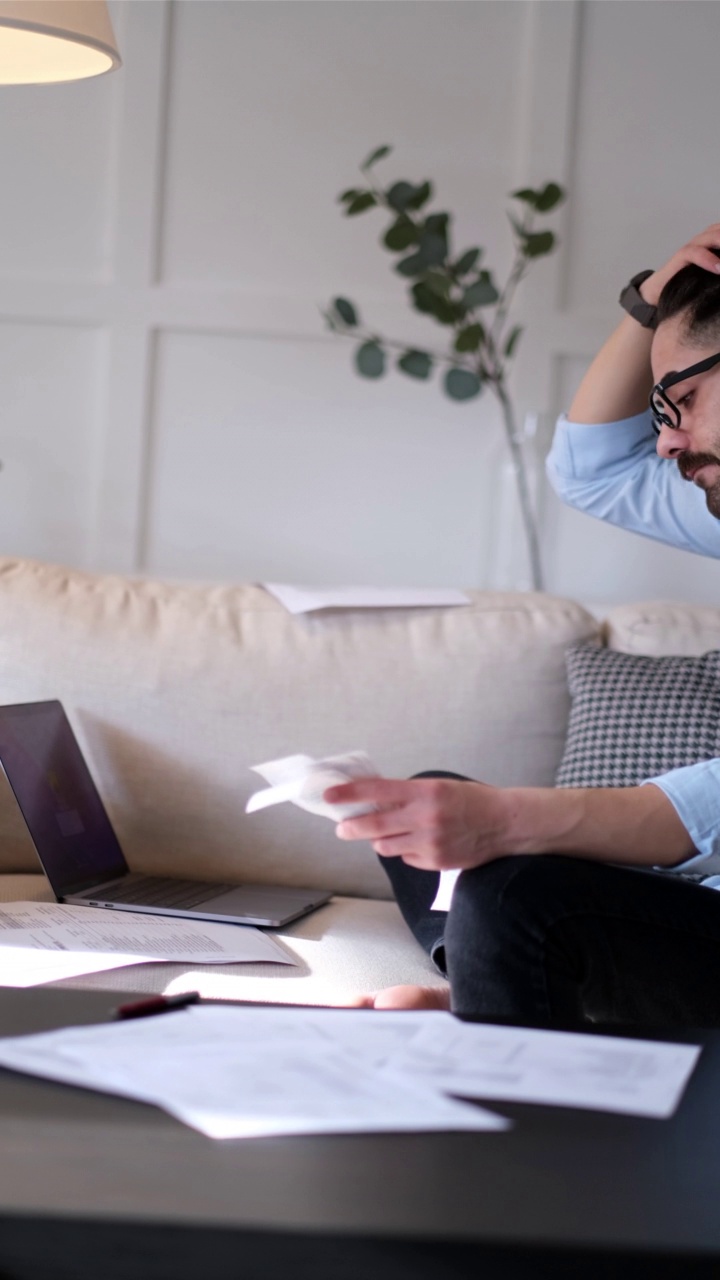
pixel 455 291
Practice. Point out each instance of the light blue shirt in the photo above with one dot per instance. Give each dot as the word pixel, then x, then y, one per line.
pixel 611 470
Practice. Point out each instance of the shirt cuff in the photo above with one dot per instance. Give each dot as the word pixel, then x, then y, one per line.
pixel 581 450
pixel 694 793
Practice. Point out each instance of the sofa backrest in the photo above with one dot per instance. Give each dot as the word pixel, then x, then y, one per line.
pixel 661 628
pixel 174 690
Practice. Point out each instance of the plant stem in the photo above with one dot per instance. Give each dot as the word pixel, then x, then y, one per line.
pixel 525 498
pixel 503 305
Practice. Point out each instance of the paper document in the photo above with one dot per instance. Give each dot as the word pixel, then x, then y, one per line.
pixel 243 1072
pixel 239 1072
pixel 45 941
pixel 567 1069
pixel 306 599
pixel 446 888
pixel 302 780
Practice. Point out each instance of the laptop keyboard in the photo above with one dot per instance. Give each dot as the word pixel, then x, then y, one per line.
pixel 154 891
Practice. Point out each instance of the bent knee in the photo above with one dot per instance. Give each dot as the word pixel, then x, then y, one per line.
pixel 524 881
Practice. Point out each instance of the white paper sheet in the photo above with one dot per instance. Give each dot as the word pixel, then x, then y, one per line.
pixel 241 1072
pixel 446 888
pixel 302 780
pixel 244 1072
pixel 45 941
pixel 605 1073
pixel 306 599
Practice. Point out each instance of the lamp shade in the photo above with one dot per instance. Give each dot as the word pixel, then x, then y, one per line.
pixel 44 41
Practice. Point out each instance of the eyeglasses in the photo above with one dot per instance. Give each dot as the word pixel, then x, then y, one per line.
pixel 660 402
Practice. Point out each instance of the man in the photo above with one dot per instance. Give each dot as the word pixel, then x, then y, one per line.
pixel 565 912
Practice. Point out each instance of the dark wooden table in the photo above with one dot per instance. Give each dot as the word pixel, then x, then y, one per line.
pixel 100 1187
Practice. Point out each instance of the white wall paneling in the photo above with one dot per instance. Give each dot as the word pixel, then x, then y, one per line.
pixel 170 231
pixel 278 476
pixel 52 378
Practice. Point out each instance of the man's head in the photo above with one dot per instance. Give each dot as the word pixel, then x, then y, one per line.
pixel 688 332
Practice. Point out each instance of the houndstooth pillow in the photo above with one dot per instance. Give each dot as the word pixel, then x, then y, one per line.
pixel 634 717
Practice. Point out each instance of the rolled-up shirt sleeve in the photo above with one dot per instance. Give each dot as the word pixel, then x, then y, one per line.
pixel 694 793
pixel 612 471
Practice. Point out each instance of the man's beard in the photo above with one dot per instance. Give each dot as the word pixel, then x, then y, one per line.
pixel 690 462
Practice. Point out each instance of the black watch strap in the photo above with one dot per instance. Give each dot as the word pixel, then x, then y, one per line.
pixel 634 303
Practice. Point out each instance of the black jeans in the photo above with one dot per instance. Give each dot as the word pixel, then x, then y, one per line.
pixel 559 941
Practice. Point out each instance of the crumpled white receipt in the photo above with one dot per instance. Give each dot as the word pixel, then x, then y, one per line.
pixel 302 780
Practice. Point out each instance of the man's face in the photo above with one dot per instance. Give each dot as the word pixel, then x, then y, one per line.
pixel 695 445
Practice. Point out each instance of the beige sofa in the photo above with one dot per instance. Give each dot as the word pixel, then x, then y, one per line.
pixel 175 690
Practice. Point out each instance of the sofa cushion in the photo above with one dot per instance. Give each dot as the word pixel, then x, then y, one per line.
pixel 661 628
pixel 174 690
pixel 634 717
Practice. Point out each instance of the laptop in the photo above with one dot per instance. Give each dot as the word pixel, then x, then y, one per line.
pixel 79 851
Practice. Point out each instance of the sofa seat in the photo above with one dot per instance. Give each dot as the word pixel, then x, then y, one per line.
pixel 347 948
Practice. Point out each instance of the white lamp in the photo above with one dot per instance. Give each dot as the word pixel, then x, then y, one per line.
pixel 46 41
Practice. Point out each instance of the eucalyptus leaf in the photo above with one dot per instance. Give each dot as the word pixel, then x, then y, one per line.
pixel 401 234
pixel 351 194
pixel 512 341
pixel 527 195
pixel 370 360
pixel 433 248
pixel 462 384
pixel 550 196
pixel 415 363
pixel 366 200
pixel 421 196
pixel 440 283
pixel 444 311
pixel 480 294
pixel 346 311
pixel 414 265
pixel 466 262
pixel 538 243
pixel 379 154
pixel 470 337
pixel 424 299
pixel 438 224
pixel 399 195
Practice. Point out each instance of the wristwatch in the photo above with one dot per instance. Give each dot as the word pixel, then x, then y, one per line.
pixel 634 303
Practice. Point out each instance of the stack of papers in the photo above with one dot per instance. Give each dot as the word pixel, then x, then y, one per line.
pixel 46 941
pixel 240 1072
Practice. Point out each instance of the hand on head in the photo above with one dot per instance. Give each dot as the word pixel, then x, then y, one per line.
pixel 699 250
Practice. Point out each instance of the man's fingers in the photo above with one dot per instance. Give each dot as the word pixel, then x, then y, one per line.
pixel 404 846
pixel 379 791
pixel 373 826
pixel 703 257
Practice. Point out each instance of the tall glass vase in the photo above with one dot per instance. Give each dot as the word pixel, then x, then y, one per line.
pixel 515 561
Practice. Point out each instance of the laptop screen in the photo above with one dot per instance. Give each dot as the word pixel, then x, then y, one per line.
pixel 58 798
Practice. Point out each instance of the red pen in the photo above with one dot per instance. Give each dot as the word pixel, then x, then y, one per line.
pixel 157 1004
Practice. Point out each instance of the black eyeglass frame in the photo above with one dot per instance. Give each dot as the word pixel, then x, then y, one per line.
pixel 659 398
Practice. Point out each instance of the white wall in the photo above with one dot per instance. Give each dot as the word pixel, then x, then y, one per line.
pixel 171 401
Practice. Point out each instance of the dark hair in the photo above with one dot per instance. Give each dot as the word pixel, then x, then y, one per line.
pixel 694 292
